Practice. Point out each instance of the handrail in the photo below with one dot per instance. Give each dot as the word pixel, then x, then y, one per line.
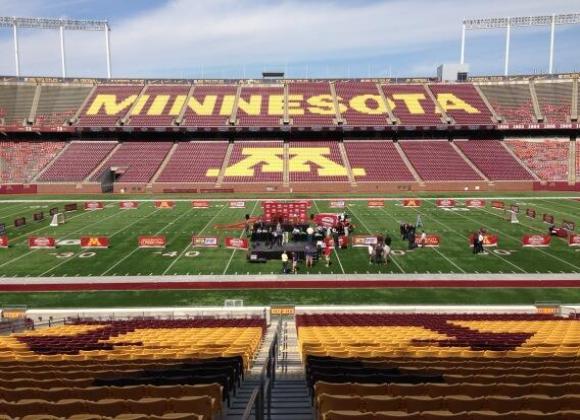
pixel 261 397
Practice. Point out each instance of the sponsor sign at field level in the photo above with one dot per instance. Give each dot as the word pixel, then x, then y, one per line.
pixel 475 204
pixel 282 310
pixel 128 205
pixel 569 225
pixel 411 203
pixel 574 240
pixel 326 219
pixel 445 202
pixel 158 241
pixel 359 241
pixel 237 204
pixel 3 241
pixel 515 208
pixel 204 241
pixel 94 205
pixel 531 213
pixel 71 207
pixel 236 243
pixel 488 240
pixel 548 218
pixel 164 204
pixel 431 241
pixel 96 242
pixel 38 216
pixel 21 221
pixel 498 205
pixel 200 204
pixel 536 241
pixel 41 242
pixel 337 204
pixel 376 203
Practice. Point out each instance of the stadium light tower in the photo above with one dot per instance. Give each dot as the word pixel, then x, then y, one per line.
pixel 523 21
pixel 56 24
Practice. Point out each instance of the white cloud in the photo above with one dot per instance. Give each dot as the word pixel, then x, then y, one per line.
pixel 185 34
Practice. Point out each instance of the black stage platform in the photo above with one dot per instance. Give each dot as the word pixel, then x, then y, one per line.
pixel 262 252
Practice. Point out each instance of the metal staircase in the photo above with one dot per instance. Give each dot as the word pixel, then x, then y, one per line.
pixel 276 387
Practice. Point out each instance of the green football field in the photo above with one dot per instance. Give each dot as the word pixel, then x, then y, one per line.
pixel 178 225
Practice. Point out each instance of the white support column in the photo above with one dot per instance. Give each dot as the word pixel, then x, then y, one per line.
pixel 507 48
pixel 108 48
pixel 62 54
pixel 16 54
pixel 462 56
pixel 552 34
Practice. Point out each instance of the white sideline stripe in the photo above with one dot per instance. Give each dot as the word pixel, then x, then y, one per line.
pixel 242 234
pixel 137 248
pixel 435 249
pixel 116 200
pixel 64 237
pixel 298 278
pixel 189 244
pixel 370 233
pixel 335 245
pixel 513 237
pixel 109 236
pixel 492 253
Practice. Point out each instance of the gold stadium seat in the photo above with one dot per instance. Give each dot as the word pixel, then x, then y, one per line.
pixel 198 405
pixel 328 402
pixel 37 417
pixel 376 403
pixel 442 415
pixel 86 417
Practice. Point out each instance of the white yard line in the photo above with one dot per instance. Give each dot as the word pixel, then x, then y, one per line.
pixel 370 233
pixel 492 253
pixel 64 237
pixel 512 237
pixel 109 236
pixel 242 234
pixel 558 210
pixel 189 243
pixel 435 249
pixel 137 247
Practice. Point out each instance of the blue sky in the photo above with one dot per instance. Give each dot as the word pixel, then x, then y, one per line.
pixel 328 38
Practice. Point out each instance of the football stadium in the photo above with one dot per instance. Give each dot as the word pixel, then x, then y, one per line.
pixel 288 246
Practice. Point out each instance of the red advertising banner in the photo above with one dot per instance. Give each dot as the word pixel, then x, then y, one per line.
pixel 358 241
pixel 295 211
pixel 164 204
pixel 236 243
pixel 411 203
pixel 326 219
pixel 548 218
pixel 95 242
pixel 431 241
pixel 128 205
pixel 569 225
pixel 445 203
pixel 574 240
pixel 536 241
pixel 3 241
pixel 94 205
pixel 475 204
pixel 200 204
pixel 152 241
pixel 237 204
pixel 376 203
pixel 498 205
pixel 488 240
pixel 531 213
pixel 204 241
pixel 337 204
pixel 41 242
pixel 515 208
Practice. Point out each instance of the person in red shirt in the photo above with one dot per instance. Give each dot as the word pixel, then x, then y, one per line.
pixel 328 246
